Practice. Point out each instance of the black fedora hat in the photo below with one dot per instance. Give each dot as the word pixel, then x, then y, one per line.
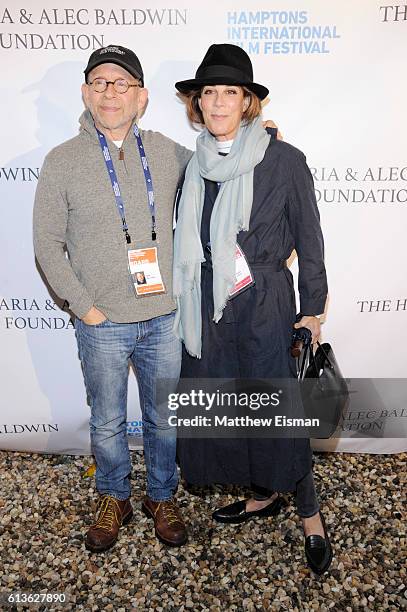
pixel 224 65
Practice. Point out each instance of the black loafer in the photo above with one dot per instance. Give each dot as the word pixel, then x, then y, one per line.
pixel 318 550
pixel 236 512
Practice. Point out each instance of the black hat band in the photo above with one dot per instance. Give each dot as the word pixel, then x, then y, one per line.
pixel 213 72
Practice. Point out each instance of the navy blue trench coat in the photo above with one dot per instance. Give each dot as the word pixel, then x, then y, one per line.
pixel 253 338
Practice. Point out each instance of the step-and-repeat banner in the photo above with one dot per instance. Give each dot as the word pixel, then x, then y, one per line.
pixel 336 73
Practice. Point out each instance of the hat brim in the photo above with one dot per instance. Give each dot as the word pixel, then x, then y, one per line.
pixel 118 62
pixel 186 86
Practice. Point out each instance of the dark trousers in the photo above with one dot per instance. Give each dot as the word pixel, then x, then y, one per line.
pixel 305 496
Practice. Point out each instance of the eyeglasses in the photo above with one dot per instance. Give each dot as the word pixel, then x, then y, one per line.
pixel 119 85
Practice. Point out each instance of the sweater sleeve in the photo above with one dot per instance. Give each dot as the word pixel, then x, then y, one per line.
pixel 183 156
pixel 303 217
pixel 49 230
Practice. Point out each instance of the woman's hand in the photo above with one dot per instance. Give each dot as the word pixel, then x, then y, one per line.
pixel 270 124
pixel 311 323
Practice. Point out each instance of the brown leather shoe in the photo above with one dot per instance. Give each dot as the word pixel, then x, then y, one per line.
pixel 169 526
pixel 111 514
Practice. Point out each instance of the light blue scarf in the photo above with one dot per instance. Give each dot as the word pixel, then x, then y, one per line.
pixel 230 215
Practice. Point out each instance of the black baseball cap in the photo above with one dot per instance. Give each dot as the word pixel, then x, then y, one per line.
pixel 114 54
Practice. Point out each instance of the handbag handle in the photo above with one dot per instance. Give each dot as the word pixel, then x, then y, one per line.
pixel 309 354
pixel 325 355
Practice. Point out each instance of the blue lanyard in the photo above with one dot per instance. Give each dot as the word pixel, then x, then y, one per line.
pixel 115 183
pixel 148 179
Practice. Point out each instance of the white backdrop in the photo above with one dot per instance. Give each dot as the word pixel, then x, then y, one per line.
pixel 336 73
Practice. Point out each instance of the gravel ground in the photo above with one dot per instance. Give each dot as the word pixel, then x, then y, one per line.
pixel 46 506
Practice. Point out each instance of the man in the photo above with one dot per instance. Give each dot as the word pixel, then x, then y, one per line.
pixel 107 195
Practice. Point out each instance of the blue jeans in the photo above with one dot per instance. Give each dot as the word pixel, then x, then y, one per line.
pixel 105 351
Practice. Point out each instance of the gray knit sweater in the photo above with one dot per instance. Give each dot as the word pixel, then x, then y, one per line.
pixel 75 207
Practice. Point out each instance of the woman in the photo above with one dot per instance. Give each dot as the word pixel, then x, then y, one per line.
pixel 243 187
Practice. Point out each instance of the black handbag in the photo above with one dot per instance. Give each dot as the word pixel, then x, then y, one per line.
pixel 324 391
